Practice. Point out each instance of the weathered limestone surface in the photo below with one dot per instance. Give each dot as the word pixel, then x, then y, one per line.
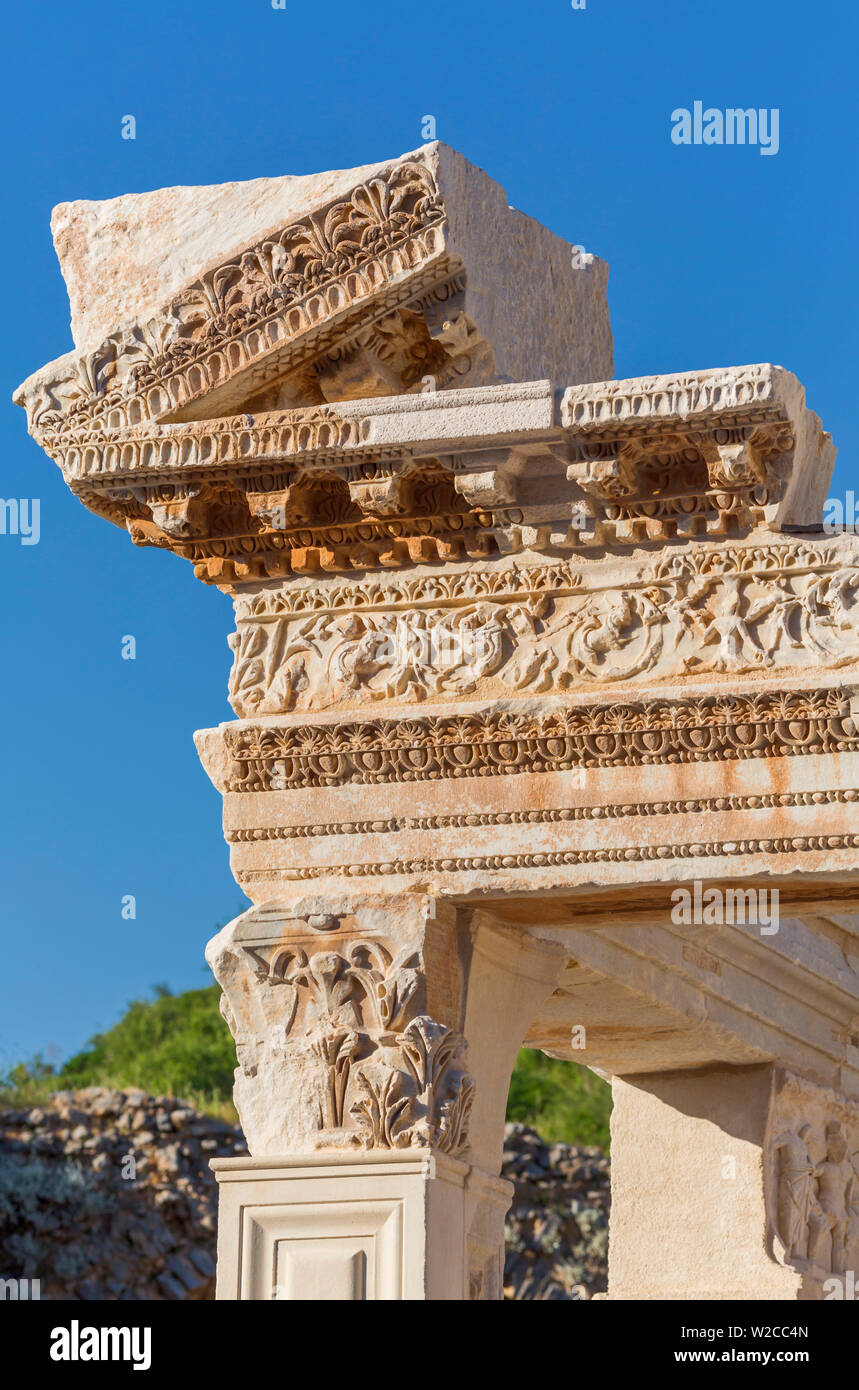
pixel 749 1170
pixel 358 1016
pixel 421 256
pixel 519 651
pixel 122 257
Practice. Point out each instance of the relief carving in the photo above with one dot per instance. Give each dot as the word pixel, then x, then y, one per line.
pixel 289 422
pixel 814 1186
pixel 368 1067
pixel 242 309
pixel 712 623
pixel 266 466
pixel 818 1198
pixel 504 743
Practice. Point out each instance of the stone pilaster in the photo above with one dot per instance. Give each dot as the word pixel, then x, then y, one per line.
pixel 399 1225
pixel 375 1041
pixel 732 1183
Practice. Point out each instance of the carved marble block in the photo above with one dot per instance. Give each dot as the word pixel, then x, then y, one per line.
pixel 518 650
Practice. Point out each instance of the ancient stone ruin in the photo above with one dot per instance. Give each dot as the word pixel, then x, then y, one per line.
pixel 67 1211
pixel 546 727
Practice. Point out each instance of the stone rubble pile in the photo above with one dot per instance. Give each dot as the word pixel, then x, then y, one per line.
pixel 557 1226
pixel 107 1194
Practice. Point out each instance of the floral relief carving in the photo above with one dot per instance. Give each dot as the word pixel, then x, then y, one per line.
pixel 430 1052
pixel 385 217
pixel 776 559
pixel 387 1077
pixel 335 1051
pixel 504 743
pixel 388 981
pixel 381 1109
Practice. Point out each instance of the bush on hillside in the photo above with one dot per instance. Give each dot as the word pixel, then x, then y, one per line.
pixel 563 1101
pixel 178 1044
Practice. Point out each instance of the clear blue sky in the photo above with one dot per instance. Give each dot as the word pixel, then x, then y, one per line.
pixel 718 255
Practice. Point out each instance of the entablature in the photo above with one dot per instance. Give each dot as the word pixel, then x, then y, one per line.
pixel 467 474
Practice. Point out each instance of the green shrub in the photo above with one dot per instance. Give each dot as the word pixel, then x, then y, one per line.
pixel 179 1045
pixel 27 1083
pixel 563 1101
pixel 174 1044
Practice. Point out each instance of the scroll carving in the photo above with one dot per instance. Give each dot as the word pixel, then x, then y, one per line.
pixel 559 636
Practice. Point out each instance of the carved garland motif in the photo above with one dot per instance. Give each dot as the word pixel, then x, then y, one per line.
pixel 716 623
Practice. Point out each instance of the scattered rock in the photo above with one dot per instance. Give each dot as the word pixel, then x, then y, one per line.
pixel 85 1212
pixel 557 1226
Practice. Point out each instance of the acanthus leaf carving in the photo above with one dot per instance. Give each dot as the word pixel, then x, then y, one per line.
pixel 382 1111
pixel 389 982
pixel 386 1077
